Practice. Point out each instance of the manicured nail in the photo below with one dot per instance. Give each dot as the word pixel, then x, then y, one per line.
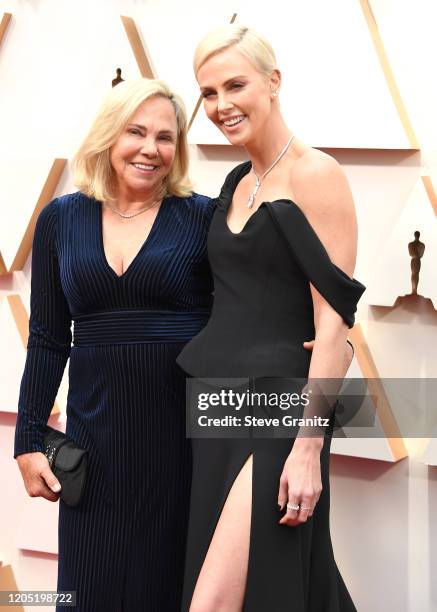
pixel 56 488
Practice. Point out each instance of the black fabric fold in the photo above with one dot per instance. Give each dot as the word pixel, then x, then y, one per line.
pixel 341 291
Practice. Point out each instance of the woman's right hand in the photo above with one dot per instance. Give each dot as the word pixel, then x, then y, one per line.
pixel 38 478
pixel 348 354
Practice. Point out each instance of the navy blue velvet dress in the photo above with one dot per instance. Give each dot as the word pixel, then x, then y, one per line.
pixel 123 547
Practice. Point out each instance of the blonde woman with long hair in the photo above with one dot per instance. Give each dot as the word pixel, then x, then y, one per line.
pixel 125 259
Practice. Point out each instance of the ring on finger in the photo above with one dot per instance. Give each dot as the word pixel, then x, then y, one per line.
pixel 293 506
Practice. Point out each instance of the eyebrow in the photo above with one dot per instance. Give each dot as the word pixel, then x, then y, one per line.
pixel 143 127
pixel 234 78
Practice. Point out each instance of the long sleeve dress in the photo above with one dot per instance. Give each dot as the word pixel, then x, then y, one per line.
pixel 123 547
pixel 262 313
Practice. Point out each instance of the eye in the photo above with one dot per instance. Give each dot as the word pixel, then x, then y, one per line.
pixel 166 137
pixel 237 85
pixel 134 131
pixel 207 94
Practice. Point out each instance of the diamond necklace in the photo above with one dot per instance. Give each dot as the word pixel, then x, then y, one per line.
pixel 252 196
pixel 131 216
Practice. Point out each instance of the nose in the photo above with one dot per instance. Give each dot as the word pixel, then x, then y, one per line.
pixel 148 147
pixel 223 102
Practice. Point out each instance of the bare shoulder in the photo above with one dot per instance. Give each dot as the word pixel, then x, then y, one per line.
pixel 322 192
pixel 320 181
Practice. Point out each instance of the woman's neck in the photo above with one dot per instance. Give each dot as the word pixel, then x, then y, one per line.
pixel 267 145
pixel 129 200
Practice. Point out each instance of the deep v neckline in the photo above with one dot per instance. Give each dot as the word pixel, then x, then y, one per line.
pixel 246 222
pixel 152 231
pixel 245 170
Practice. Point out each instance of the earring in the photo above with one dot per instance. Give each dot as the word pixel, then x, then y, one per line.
pixel 275 92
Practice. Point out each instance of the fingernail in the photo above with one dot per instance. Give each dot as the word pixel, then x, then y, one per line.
pixel 56 488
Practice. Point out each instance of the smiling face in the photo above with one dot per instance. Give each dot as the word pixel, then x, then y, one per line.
pixel 237 97
pixel 144 152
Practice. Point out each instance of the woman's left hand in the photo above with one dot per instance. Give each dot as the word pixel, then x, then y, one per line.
pixel 301 481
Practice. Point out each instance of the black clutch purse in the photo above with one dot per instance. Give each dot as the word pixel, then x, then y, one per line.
pixel 68 462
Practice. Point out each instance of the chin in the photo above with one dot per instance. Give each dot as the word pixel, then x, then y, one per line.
pixel 240 142
pixel 142 185
pixel 236 139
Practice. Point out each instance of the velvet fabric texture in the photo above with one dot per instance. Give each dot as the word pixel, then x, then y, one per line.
pixel 123 547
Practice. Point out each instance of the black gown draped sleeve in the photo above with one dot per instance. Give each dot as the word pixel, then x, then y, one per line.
pixel 305 247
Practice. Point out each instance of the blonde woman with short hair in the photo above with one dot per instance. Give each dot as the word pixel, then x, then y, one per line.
pixel 124 258
pixel 282 248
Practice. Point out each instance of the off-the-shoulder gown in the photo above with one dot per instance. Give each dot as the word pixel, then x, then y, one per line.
pixel 123 547
pixel 262 313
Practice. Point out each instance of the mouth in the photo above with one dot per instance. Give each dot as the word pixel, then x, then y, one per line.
pixel 145 168
pixel 232 123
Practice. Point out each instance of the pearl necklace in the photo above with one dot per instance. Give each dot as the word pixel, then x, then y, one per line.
pixel 131 216
pixel 252 196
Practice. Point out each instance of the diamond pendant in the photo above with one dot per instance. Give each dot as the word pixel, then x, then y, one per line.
pixel 252 196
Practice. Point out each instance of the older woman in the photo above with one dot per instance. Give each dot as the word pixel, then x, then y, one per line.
pixel 125 259
pixel 282 248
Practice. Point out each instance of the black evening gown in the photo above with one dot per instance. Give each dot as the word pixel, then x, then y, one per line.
pixel 123 547
pixel 262 313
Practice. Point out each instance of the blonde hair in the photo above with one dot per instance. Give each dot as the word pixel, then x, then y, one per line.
pixel 93 172
pixel 249 42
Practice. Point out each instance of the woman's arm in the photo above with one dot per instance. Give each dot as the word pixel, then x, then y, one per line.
pixel 48 349
pixel 349 351
pixel 324 196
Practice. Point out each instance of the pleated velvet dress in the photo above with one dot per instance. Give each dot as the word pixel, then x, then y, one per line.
pixel 262 314
pixel 123 547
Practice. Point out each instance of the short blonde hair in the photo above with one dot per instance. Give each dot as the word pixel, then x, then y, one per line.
pixel 248 41
pixel 93 172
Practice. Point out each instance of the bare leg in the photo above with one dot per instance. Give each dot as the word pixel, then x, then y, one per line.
pixel 222 579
